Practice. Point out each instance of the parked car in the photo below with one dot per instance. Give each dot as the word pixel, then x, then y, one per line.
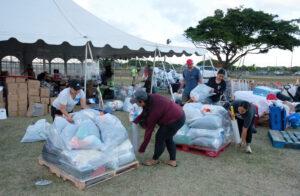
pixel 208 71
pixel 279 73
pixel 297 73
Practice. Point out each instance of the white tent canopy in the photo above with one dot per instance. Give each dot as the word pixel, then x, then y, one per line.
pixel 59 21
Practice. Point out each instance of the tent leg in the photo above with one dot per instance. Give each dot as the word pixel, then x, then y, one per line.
pixel 100 94
pixel 153 71
pixel 170 87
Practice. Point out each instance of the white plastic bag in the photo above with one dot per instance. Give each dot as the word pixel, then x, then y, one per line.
pixel 37 132
pixel 192 111
pixel 201 92
pixel 207 122
pixel 127 105
pixel 113 132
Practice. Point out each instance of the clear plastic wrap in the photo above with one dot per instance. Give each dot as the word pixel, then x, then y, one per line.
pixel 114 105
pixel 113 132
pixel 209 121
pixel 37 132
pixel 201 92
pixel 206 126
pixel 192 111
pixel 127 105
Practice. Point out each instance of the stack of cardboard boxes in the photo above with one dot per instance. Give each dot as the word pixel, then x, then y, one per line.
pixel 12 96
pixel 22 96
pixel 45 99
pixel 25 98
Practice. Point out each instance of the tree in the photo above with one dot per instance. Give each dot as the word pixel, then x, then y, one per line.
pixel 243 31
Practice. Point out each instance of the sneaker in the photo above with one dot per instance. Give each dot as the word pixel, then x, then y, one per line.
pixel 248 149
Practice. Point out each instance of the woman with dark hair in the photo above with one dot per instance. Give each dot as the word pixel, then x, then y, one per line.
pixel 64 104
pixel 169 116
pixel 219 86
pixel 245 114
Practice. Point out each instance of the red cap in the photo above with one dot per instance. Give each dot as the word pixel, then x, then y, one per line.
pixel 271 97
pixel 189 62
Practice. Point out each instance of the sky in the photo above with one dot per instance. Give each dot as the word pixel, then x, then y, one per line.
pixel 159 20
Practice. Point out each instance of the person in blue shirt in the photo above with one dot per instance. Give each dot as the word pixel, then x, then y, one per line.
pixel 191 78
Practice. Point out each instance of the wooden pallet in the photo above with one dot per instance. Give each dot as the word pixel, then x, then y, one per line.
pixel 285 139
pixel 193 149
pixel 96 178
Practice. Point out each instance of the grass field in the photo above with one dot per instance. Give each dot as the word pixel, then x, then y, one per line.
pixel 268 171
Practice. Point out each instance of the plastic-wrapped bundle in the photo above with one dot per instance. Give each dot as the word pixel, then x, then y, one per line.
pixel 135 112
pixel 84 160
pixel 201 92
pixel 114 105
pixel 123 154
pixel 127 104
pixel 207 122
pixel 67 134
pixel 182 137
pixel 86 114
pixel 60 123
pixel 197 133
pixel 113 132
pixel 192 111
pixel 211 143
pixel 50 153
pixel 37 132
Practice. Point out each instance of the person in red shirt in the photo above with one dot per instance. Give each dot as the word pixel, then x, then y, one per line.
pixel 159 110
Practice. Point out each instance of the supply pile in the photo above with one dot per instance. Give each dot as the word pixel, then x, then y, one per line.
pixel 94 143
pixel 207 126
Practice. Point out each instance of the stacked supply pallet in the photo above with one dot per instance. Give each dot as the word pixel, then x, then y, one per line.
pixel 22 93
pixel 12 96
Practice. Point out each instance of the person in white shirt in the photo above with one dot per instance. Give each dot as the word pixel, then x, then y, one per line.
pixel 67 99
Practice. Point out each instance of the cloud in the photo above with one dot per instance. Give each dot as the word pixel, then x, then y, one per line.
pixel 157 20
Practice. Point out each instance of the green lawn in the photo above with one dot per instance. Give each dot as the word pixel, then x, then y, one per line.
pixel 268 171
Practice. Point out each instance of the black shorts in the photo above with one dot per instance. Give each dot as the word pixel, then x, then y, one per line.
pixel 55 112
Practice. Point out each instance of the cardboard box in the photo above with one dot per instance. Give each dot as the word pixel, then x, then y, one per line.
pixel 22 107
pixel 33 99
pixel 45 100
pixel 45 92
pixel 22 112
pixel 22 95
pixel 12 98
pixel 12 88
pixel 2 105
pixel 10 80
pixel 36 109
pixel 45 109
pixel 33 84
pixel 33 92
pixel 12 113
pixel 22 86
pixel 20 80
pixel 12 108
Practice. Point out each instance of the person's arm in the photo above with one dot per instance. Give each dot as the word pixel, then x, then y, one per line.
pixel 147 137
pixel 83 103
pixel 138 119
pixel 154 115
pixel 63 109
pixel 182 82
pixel 82 100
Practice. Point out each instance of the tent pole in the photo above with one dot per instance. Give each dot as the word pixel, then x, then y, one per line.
pixel 153 71
pixel 85 66
pixel 100 94
pixel 170 87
